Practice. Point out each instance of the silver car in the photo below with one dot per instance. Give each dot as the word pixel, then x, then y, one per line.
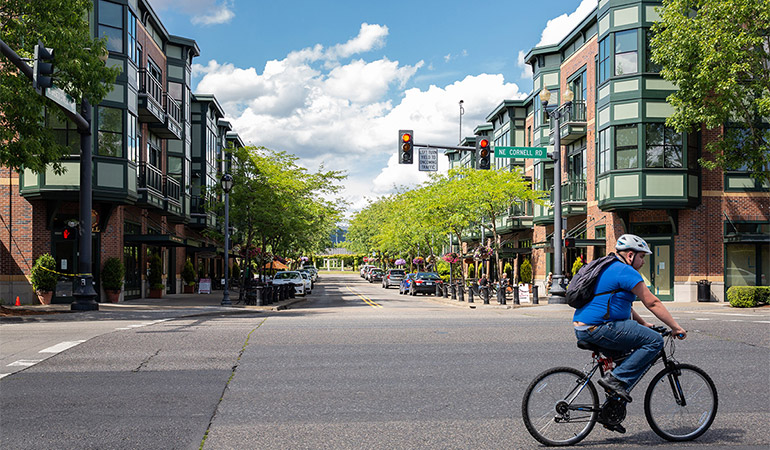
pixel 393 277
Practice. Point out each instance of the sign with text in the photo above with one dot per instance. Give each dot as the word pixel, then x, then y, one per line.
pixel 204 286
pixel 521 152
pixel 428 159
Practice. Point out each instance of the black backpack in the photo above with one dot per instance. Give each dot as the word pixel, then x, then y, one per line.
pixel 581 289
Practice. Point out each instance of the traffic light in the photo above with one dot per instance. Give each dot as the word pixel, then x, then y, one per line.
pixel 569 242
pixel 405 146
pixel 70 231
pixel 42 70
pixel 482 153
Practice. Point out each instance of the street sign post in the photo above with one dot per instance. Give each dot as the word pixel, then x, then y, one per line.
pixel 428 159
pixel 521 152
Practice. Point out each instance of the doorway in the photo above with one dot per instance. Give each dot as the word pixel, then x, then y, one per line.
pixel 656 271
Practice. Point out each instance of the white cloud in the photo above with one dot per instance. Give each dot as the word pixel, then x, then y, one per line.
pixel 214 17
pixel 526 69
pixel 558 28
pixel 347 115
pixel 202 12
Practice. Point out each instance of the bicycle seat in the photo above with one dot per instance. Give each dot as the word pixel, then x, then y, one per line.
pixel 585 345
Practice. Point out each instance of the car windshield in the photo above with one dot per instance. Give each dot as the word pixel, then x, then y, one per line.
pixel 397 272
pixel 427 276
pixel 285 275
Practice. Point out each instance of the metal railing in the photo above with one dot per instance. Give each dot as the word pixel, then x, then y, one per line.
pixel 577 113
pixel 173 110
pixel 150 86
pixel 574 191
pixel 522 209
pixel 172 189
pixel 150 177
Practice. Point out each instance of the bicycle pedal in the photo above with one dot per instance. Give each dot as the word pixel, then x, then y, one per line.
pixel 617 427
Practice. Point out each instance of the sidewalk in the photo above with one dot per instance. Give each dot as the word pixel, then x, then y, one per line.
pixel 180 304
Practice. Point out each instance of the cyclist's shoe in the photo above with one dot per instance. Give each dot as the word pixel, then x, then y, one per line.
pixel 614 385
pixel 617 427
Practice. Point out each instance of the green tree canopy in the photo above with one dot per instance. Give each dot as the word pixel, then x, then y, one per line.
pixel 717 52
pixel 63 26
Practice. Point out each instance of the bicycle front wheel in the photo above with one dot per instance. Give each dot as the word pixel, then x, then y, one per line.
pixel 560 407
pixel 680 403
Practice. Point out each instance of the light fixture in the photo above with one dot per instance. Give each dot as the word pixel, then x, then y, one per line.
pixel 568 95
pixel 545 95
pixel 227 183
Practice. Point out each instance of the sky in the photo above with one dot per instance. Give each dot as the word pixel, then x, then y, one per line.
pixel 333 81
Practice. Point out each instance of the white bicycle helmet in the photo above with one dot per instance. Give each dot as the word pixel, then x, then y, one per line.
pixel 632 242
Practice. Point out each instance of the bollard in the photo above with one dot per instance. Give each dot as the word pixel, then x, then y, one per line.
pixel 461 293
pixel 470 294
pixel 276 294
pixel 454 291
pixel 516 295
pixel 259 296
pixel 438 290
pixel 446 290
pixel 501 294
pixel 534 295
pixel 292 291
pixel 485 294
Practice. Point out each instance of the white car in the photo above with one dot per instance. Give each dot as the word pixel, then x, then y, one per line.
pixel 308 281
pixel 364 268
pixel 311 273
pixel 290 276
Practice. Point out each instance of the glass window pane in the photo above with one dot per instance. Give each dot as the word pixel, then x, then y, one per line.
pixel 655 156
pixel 114 38
pixel 654 134
pixel 625 63
pixel 626 136
pixel 626 159
pixel 740 265
pixel 673 156
pixel 110 144
pixel 110 119
pixel 111 14
pixel 625 41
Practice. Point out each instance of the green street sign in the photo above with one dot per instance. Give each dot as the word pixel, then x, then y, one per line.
pixel 521 152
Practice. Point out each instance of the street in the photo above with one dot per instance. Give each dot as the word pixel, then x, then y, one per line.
pixel 353 366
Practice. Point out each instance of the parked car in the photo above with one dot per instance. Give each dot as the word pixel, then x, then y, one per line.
pixel 375 275
pixel 369 271
pixel 290 276
pixel 393 277
pixel 424 282
pixel 308 282
pixel 309 274
pixel 313 272
pixel 364 268
pixel 406 283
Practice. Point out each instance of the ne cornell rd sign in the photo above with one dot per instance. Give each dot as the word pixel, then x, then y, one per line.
pixel 521 152
pixel 428 159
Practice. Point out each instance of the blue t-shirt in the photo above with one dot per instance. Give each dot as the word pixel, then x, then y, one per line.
pixel 617 276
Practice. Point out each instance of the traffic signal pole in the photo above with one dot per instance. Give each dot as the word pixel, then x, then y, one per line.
pixel 84 293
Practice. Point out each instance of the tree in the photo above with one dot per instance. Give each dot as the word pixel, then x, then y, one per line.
pixel 62 25
pixel 717 52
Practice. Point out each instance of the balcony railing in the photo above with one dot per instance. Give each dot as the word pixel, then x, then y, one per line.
pixel 197 205
pixel 150 178
pixel 151 108
pixel 523 209
pixel 173 191
pixel 173 110
pixel 573 191
pixel 150 86
pixel 577 113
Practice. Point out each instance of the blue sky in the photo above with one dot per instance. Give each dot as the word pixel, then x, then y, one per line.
pixel 333 81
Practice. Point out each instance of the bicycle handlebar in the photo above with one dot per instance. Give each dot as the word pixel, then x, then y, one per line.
pixel 664 331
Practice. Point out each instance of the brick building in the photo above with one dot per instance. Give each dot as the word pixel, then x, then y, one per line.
pixel 623 170
pixel 155 143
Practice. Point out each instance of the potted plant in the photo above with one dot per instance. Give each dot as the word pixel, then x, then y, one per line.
pixel 188 276
pixel 155 278
pixel 43 278
pixel 112 278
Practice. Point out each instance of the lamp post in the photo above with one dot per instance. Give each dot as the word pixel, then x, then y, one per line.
pixel 556 113
pixel 462 111
pixel 227 186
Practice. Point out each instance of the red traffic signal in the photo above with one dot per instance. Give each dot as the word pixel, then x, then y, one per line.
pixel 70 231
pixel 482 154
pixel 569 242
pixel 405 146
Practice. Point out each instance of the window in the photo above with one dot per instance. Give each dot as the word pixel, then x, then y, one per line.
pixel 111 25
pixel 133 139
pixel 536 104
pixel 664 146
pixel 65 132
pixel 649 65
pixel 626 147
pixel 153 150
pixel 604 60
pixel 110 132
pixel 579 87
pixel 626 52
pixel 604 150
pixel 133 54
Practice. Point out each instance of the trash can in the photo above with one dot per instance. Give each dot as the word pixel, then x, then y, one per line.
pixel 704 291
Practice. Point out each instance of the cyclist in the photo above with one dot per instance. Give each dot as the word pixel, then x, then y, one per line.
pixel 625 330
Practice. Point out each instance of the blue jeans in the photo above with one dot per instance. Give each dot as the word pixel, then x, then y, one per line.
pixel 624 336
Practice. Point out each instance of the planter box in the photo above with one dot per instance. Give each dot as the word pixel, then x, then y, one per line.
pixel 189 289
pixel 112 296
pixel 155 293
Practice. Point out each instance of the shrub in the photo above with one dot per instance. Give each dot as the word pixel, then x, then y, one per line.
pixel 747 296
pixel 188 273
pixel 442 268
pixel 42 279
pixel 576 266
pixel 471 271
pixel 156 273
pixel 112 274
pixel 525 272
pixel 507 268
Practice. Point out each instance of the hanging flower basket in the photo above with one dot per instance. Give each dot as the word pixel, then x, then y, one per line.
pixel 400 262
pixel 482 252
pixel 451 258
pixel 418 260
pixel 304 259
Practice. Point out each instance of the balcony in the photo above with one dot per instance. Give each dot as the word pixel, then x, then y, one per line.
pixel 201 215
pixel 151 108
pixel 519 218
pixel 666 189
pixel 170 128
pixel 573 126
pixel 173 196
pixel 150 186
pixel 573 203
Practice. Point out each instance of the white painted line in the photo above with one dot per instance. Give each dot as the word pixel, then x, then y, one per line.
pixel 124 328
pixel 24 363
pixel 60 347
pixel 2 375
pixel 761 321
pixel 736 320
pixel 702 318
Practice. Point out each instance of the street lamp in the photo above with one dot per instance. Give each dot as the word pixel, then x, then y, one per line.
pixel 227 185
pixel 462 111
pixel 556 113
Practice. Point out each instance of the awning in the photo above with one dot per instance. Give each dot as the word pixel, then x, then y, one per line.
pixel 278 265
pixel 160 240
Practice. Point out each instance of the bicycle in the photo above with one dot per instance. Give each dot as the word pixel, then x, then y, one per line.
pixel 561 405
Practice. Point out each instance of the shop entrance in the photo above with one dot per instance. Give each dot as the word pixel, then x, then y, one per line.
pixel 657 272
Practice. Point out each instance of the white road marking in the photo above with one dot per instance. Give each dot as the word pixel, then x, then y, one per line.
pixel 24 363
pixel 60 347
pixel 4 375
pixel 702 318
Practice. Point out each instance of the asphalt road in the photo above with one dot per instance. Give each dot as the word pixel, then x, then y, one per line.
pixel 355 367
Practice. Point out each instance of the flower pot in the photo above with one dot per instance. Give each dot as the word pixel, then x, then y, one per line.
pixel 44 297
pixel 156 293
pixel 189 289
pixel 113 296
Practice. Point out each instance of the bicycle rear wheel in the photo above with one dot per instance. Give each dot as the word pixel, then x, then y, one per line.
pixel 680 403
pixel 560 407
